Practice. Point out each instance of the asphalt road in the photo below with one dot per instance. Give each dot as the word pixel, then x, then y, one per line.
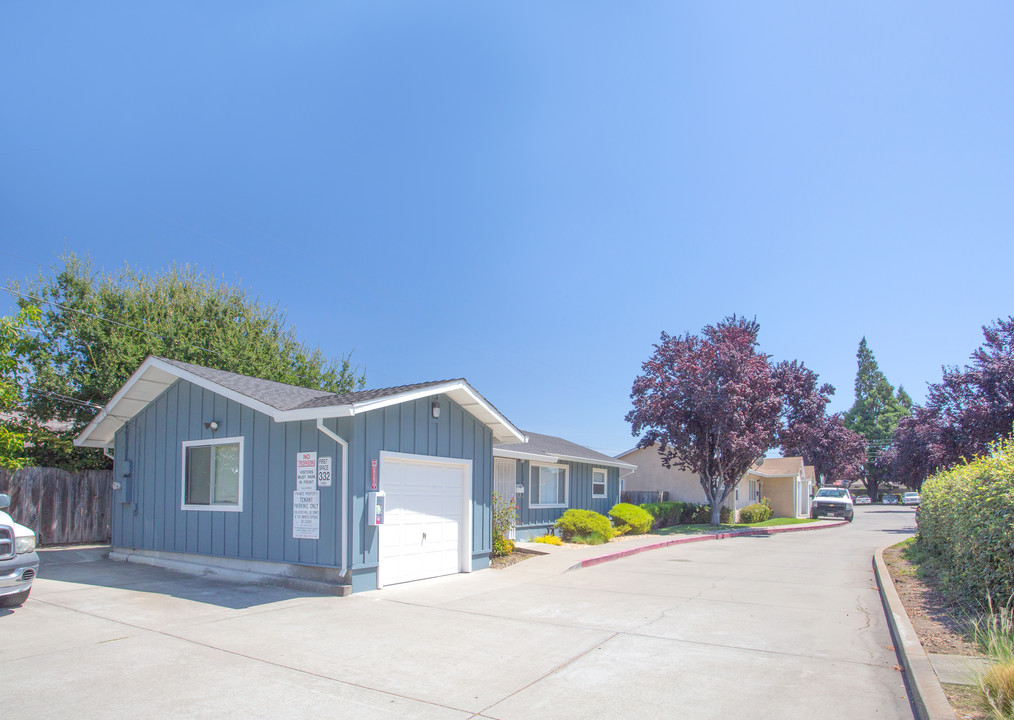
pixel 786 626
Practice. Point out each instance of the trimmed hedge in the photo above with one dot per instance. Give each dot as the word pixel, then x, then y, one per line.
pixel 758 512
pixel 671 513
pixel 584 525
pixel 637 519
pixel 965 519
pixel 665 514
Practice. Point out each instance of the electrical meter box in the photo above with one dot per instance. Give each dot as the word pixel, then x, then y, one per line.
pixel 375 507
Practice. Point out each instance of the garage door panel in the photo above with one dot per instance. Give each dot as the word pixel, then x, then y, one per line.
pixel 424 520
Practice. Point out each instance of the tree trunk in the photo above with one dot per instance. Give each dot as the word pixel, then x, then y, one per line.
pixel 716 513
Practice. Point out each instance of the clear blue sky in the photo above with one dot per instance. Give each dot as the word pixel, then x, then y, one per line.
pixel 527 194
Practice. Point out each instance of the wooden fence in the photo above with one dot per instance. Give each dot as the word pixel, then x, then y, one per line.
pixel 61 507
pixel 637 497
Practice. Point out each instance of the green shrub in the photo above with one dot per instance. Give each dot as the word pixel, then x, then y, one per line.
pixel 502 546
pixel 619 530
pixel 639 520
pixel 965 520
pixel 665 514
pixel 758 512
pixel 548 540
pixel 584 523
pixel 589 539
pixel 505 514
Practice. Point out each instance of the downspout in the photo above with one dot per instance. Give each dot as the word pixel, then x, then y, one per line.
pixel 345 494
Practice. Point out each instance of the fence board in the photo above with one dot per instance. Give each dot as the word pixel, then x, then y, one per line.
pixel 638 497
pixel 61 507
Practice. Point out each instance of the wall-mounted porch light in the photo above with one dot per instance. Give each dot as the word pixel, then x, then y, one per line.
pixel 212 426
pixel 436 409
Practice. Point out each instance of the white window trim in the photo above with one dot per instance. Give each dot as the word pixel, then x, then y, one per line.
pixel 533 478
pixel 605 483
pixel 238 507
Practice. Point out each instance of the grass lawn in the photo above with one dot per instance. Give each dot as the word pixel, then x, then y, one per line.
pixel 702 529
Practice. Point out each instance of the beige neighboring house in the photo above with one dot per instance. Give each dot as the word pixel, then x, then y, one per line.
pixel 784 481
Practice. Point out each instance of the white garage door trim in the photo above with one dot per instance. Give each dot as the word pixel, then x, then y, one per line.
pixel 465 531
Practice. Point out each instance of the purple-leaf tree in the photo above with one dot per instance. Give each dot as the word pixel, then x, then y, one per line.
pixel 822 440
pixel 710 405
pixel 967 411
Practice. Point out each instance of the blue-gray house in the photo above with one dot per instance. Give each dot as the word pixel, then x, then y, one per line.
pixel 364 489
pixel 548 475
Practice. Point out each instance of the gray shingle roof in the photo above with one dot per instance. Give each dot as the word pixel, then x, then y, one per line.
pixel 550 445
pixel 282 396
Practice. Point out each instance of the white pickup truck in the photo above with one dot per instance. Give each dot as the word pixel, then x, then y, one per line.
pixel 832 501
pixel 18 560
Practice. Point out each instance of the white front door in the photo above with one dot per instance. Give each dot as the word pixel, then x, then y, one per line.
pixel 505 482
pixel 427 525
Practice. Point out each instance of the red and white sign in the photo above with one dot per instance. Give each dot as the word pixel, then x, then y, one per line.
pixel 306 471
pixel 373 475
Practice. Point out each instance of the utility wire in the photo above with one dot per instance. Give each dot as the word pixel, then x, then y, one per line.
pixel 103 319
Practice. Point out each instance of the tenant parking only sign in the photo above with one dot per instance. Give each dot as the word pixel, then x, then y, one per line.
pixel 306 515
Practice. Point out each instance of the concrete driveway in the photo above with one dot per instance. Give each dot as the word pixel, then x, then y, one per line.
pixel 786 626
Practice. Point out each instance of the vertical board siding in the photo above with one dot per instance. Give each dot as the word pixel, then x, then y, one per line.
pixel 147 512
pixel 410 428
pixel 579 493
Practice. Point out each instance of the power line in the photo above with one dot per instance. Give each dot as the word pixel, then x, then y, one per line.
pixel 103 319
pixel 64 398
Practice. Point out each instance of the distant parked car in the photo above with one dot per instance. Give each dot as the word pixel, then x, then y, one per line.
pixel 862 500
pixel 832 501
pixel 889 499
pixel 910 498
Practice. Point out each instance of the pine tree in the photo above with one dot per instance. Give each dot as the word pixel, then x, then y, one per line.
pixel 875 413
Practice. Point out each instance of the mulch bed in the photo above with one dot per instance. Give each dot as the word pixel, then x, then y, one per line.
pixel 942 627
pixel 514 558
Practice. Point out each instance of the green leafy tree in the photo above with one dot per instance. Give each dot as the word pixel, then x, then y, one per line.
pixel 875 414
pixel 97 328
pixel 15 344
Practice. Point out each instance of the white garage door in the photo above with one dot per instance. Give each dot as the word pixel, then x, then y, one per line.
pixel 427 523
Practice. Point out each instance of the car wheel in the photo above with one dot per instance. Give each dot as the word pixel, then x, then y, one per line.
pixel 14 600
pixel 814 515
pixel 850 516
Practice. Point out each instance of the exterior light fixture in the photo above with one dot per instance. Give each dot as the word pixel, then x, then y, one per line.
pixel 212 426
pixel 436 409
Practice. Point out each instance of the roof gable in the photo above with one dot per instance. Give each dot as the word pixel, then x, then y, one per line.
pixel 279 401
pixel 551 449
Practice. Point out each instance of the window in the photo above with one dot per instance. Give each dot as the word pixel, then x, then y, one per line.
pixel 549 486
pixel 599 483
pixel 213 474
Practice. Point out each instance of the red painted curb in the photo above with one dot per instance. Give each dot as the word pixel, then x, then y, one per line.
pixel 699 538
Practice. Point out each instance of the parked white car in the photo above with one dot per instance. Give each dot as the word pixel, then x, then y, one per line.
pixel 910 498
pixel 832 501
pixel 19 562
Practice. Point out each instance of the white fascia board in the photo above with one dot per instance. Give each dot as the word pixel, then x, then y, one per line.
pixel 771 475
pixel 463 394
pixel 148 382
pixel 597 461
pixel 321 413
pixel 85 438
pixel 520 455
